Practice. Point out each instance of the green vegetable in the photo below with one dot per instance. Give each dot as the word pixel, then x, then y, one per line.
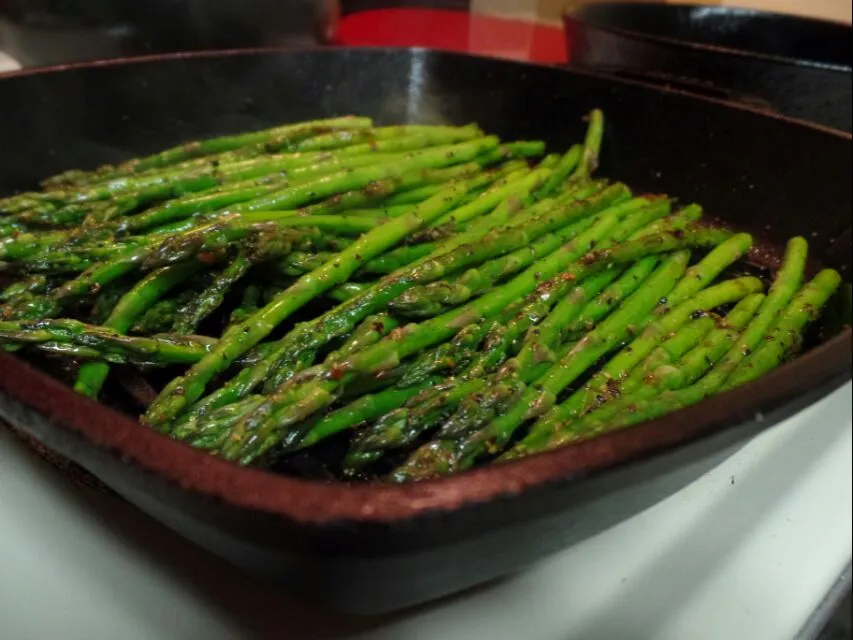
pixel 422 293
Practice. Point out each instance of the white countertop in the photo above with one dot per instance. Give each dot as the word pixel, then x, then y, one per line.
pixel 747 551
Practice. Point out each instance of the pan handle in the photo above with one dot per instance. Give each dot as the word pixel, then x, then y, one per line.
pixel 683 83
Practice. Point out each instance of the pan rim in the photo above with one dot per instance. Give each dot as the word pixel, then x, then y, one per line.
pixel 308 502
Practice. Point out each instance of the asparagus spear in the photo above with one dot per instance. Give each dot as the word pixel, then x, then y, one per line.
pixel 438 328
pixel 218 145
pixel 455 355
pixel 23 245
pixel 802 310
pixel 679 298
pixel 365 408
pixel 507 240
pixel 558 289
pixel 431 299
pixel 414 140
pixel 515 185
pixel 312 336
pixel 91 280
pixel 686 340
pixel 182 208
pixel 604 230
pixel 101 342
pixel 785 285
pixel 445 455
pixel 602 383
pixel 194 204
pixel 542 340
pixel 670 350
pixel 194 426
pixel 349 138
pixel 212 433
pixel 402 426
pixel 299 262
pixel 783 288
pixel 433 179
pixel 191 315
pixel 369 332
pixel 309 150
pixel 398 258
pixel 591 145
pixel 611 297
pixel 92 375
pixel 387 433
pixel 33 284
pixel 340 182
pixel 314 394
pixel 628 412
pixel 307 178
pixel 156 253
pixel 160 317
pixel 498 341
pixel 666 377
pixel 202 425
pixel 563 167
pixel 190 387
pixel 71 260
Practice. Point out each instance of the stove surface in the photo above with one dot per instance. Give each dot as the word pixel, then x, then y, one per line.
pixel 749 550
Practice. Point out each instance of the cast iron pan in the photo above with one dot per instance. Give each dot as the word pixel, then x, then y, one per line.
pixel 371 548
pixel 797 66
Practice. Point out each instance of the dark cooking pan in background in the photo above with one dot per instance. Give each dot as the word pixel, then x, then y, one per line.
pixel 799 67
pixel 45 32
pixel 374 547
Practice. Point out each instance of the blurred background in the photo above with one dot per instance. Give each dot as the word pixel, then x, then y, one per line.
pixel 43 32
